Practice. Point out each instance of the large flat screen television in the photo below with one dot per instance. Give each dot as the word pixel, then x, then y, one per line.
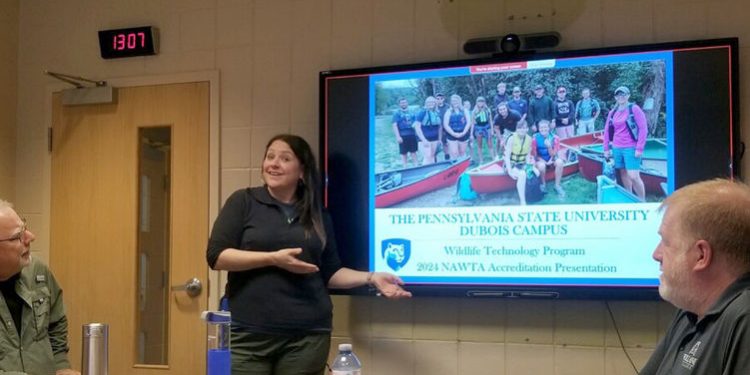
pixel 425 192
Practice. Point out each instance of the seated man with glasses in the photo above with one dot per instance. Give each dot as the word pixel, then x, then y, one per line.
pixel 34 333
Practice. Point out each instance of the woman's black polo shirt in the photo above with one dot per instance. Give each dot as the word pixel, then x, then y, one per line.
pixel 270 299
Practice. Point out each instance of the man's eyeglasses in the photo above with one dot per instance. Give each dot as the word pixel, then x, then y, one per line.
pixel 561 91
pixel 18 236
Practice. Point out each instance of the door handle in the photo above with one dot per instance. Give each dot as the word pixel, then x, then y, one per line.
pixel 192 287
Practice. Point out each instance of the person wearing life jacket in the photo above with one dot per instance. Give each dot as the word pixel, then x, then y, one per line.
pixel 403 129
pixel 457 125
pixel 629 125
pixel 517 153
pixel 427 126
pixel 546 151
pixel 482 117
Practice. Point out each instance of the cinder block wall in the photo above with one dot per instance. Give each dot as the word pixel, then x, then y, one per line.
pixel 269 53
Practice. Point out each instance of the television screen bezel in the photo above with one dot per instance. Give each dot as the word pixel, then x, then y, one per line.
pixel 361 262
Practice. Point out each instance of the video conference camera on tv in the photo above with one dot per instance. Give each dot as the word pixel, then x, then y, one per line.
pixel 512 43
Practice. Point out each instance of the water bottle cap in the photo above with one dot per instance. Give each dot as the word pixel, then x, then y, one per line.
pixel 345 347
pixel 217 316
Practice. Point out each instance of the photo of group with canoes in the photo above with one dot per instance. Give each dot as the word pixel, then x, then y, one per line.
pixel 498 139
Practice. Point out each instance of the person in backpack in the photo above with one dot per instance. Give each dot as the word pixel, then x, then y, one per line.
pixel 625 134
pixel 546 151
pixel 428 127
pixel 587 111
pixel 517 152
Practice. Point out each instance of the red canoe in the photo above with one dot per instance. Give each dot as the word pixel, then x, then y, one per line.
pixel 653 164
pixel 399 185
pixel 653 172
pixel 492 178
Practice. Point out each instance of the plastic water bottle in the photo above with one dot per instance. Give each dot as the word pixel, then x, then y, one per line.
pixel 218 357
pixel 346 363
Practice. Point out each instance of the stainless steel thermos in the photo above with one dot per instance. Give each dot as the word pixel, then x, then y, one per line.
pixel 95 354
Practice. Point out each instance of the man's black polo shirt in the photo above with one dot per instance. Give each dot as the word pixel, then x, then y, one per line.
pixel 718 344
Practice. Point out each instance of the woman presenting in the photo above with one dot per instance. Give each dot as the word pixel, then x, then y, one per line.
pixel 278 246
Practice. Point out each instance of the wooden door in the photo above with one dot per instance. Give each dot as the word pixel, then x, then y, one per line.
pixel 96 220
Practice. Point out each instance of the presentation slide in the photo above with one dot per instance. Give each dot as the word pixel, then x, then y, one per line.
pixel 527 245
pixel 449 209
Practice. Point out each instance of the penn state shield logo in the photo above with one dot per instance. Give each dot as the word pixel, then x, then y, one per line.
pixel 396 252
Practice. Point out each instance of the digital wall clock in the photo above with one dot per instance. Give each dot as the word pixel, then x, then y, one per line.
pixel 128 42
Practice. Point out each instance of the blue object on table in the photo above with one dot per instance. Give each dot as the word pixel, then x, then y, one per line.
pixel 218 358
pixel 224 303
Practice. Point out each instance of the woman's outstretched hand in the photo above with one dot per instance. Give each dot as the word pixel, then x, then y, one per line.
pixel 389 285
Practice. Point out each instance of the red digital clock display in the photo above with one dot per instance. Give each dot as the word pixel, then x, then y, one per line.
pixel 134 41
pixel 129 41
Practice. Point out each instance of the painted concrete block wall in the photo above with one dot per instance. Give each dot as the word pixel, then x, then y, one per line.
pixel 269 53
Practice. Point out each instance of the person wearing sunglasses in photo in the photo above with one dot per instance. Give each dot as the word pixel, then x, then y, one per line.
pixel 625 134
